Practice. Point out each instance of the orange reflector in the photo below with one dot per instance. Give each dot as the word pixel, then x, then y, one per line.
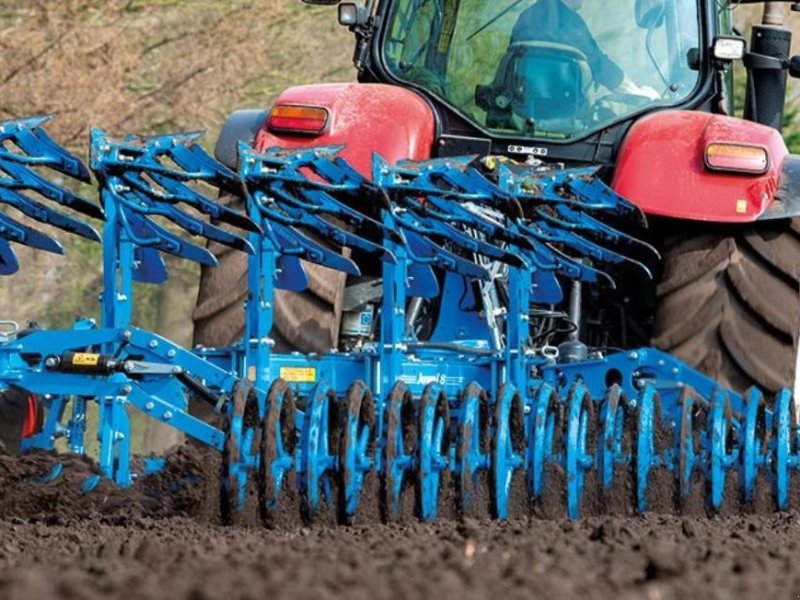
pixel 309 120
pixel 737 157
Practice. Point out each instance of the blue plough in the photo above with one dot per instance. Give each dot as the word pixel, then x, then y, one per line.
pixel 475 400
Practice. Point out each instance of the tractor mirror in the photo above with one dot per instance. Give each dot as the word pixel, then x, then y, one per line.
pixel 650 13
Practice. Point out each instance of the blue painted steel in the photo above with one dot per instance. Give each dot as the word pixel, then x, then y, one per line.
pixel 647 456
pixel 472 458
pixel 505 456
pixel 317 461
pixel 613 420
pixel 433 450
pixel 357 446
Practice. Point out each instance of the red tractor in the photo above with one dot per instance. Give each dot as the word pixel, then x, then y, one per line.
pixel 641 88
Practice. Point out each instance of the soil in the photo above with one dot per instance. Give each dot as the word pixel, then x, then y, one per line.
pixel 162 539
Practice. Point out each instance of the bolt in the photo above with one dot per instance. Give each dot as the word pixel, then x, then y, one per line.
pixel 127 390
pixel 675 370
pixel 633 403
pixel 149 406
pixel 177 370
pixel 171 353
pixel 167 415
pixel 126 335
pixel 119 436
pixel 51 362
pixel 153 344
pixel 633 355
pixel 128 366
pixel 48 396
pixel 661 362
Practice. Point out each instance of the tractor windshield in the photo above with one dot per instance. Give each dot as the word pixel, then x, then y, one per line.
pixel 546 68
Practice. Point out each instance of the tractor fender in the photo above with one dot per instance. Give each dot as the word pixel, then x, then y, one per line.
pixel 241 126
pixel 662 169
pixel 365 118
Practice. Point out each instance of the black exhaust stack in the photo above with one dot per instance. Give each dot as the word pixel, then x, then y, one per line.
pixel 767 63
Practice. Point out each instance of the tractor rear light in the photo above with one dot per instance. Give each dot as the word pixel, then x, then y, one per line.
pixel 740 158
pixel 729 47
pixel 289 118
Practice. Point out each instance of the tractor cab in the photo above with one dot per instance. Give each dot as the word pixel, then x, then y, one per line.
pixel 563 79
pixel 550 69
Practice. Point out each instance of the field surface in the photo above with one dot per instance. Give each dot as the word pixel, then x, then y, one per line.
pixel 162 539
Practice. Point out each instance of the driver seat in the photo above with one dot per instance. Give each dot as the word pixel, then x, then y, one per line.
pixel 545 83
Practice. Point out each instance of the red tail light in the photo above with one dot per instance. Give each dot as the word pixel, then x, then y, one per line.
pixel 306 120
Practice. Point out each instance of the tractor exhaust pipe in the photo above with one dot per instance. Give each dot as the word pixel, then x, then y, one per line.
pixel 766 65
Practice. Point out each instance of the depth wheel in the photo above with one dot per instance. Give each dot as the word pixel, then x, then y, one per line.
pixel 278 498
pixel 240 456
pixel 729 305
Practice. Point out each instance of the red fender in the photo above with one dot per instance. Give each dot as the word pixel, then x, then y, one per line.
pixel 661 167
pixel 365 118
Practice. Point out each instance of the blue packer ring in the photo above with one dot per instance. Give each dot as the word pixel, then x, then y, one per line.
pixel 472 450
pixel 278 441
pixel 400 428
pixel 755 442
pixel 540 438
pixel 507 447
pixel 721 446
pixel 241 455
pixel 433 449
pixel 356 447
pixel 579 454
pixel 317 460
pixel 782 419
pixel 690 453
pixel 613 420
pixel 647 456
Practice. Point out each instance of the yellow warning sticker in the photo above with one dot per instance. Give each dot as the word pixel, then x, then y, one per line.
pixel 741 207
pixel 84 359
pixel 299 374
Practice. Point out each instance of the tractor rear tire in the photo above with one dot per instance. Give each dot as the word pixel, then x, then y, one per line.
pixel 307 321
pixel 729 304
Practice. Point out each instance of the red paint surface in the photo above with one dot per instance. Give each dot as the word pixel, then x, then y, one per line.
pixel 661 167
pixel 365 118
pixel 31 423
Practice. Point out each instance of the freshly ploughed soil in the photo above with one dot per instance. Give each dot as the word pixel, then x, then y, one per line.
pixel 161 539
